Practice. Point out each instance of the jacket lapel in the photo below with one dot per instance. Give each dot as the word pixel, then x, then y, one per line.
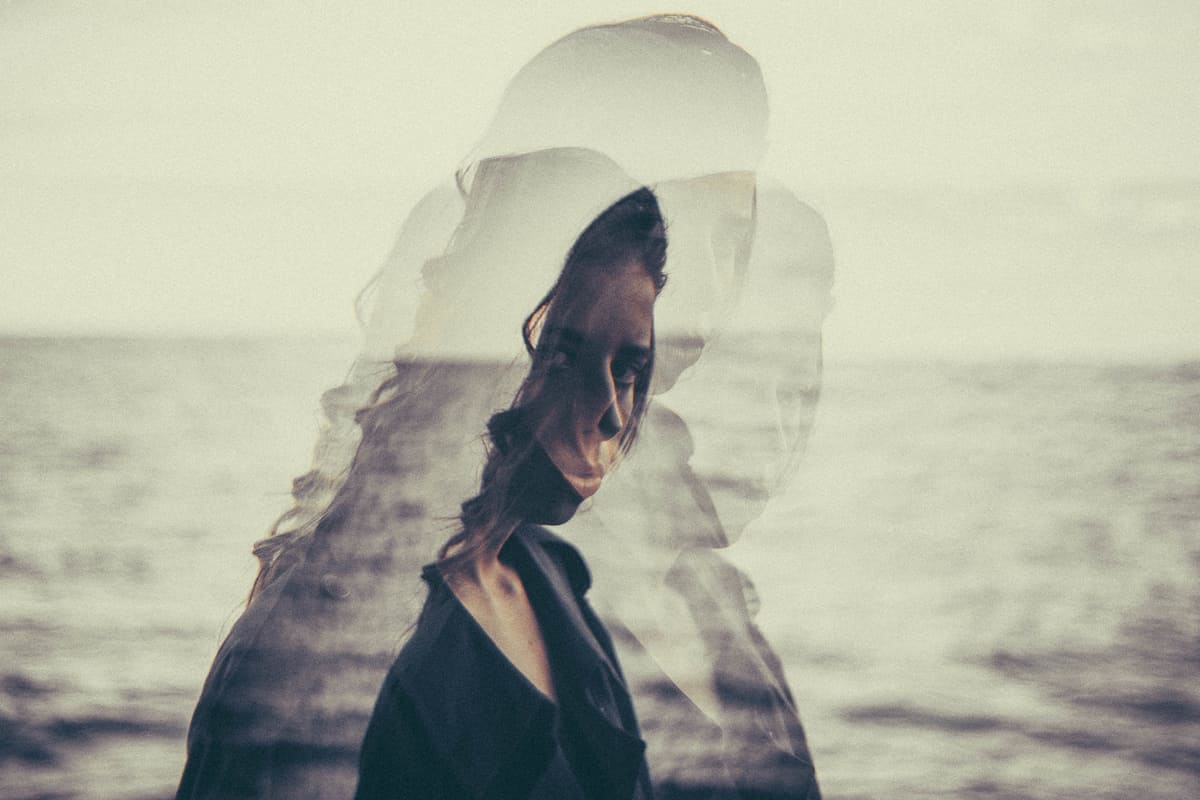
pixel 602 703
pixel 495 730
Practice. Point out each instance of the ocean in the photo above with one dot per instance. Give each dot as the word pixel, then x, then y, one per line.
pixel 991 589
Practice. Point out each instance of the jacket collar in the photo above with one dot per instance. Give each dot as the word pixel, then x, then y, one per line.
pixel 558 567
pixel 498 741
pixel 572 632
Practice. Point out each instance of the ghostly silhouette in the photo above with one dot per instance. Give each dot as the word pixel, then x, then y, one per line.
pixel 667 101
pixel 718 715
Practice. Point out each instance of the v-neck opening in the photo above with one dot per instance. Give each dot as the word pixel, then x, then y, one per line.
pixel 477 627
pixel 591 721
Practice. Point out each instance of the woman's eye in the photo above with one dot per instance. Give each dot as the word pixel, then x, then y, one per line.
pixel 626 373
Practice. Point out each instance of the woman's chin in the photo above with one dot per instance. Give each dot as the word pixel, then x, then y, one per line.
pixel 552 507
pixel 582 475
pixel 557 513
pixel 584 485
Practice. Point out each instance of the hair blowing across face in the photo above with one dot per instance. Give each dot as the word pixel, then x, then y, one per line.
pixel 630 230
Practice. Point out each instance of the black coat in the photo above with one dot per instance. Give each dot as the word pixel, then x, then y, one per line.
pixel 455 718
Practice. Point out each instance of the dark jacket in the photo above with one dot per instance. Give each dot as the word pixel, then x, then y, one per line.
pixel 455 719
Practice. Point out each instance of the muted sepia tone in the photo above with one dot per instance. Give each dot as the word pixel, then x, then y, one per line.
pixel 994 523
pixel 285 706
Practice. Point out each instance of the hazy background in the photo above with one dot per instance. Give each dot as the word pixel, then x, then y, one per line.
pixel 993 581
pixel 221 167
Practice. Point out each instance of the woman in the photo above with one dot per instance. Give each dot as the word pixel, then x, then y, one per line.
pixel 285 706
pixel 509 686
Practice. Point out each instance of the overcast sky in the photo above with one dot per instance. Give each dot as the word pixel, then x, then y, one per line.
pixel 238 167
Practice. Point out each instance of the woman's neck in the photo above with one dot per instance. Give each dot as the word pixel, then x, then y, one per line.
pixel 480 562
pixel 493 593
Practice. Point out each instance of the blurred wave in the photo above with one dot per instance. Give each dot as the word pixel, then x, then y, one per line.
pixel 998 590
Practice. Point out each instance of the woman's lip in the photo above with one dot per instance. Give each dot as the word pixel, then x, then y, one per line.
pixel 585 481
pixel 584 485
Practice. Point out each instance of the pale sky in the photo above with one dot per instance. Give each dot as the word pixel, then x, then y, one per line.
pixel 241 167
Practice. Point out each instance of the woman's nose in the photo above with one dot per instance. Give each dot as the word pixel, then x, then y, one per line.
pixel 610 421
pixel 604 402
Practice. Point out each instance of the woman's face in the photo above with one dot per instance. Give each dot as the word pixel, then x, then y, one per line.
pixel 602 343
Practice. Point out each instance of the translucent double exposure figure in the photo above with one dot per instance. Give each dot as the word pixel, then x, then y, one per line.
pixel 666 102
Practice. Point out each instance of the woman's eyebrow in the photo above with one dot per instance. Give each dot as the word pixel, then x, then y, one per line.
pixel 634 351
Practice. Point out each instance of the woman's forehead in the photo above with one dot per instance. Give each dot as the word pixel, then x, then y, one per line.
pixel 610 305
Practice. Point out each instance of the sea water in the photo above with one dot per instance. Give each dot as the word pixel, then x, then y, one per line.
pixel 983 582
pixel 997 592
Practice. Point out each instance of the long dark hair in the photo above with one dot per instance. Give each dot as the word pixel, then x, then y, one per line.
pixel 630 230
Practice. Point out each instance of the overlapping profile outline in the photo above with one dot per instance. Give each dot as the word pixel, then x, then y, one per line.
pixel 663 101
